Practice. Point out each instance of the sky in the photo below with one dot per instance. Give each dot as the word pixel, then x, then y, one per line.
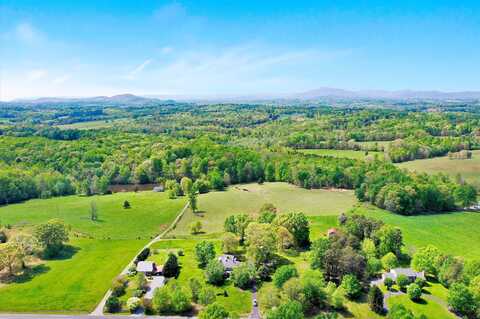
pixel 216 48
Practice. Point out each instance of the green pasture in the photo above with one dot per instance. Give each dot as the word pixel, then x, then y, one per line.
pixel 360 155
pixel 469 169
pixel 214 207
pixel 99 250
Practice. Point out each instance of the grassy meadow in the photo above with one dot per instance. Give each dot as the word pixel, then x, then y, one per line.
pixel 454 233
pixel 99 249
pixel 92 125
pixel 360 155
pixel 214 207
pixel 469 169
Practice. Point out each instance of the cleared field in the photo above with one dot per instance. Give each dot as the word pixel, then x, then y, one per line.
pixel 360 155
pixel 100 249
pixel 454 233
pixel 469 169
pixel 149 214
pixel 73 285
pixel 214 207
pixel 92 125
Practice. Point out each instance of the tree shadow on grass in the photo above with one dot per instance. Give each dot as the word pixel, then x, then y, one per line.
pixel 420 301
pixel 345 313
pixel 29 273
pixel 67 252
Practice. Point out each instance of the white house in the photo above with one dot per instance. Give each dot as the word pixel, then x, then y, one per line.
pixel 408 272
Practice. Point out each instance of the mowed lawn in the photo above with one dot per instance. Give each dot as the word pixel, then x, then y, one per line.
pixel 360 155
pixel 469 169
pixel 101 249
pixel 214 207
pixel 237 301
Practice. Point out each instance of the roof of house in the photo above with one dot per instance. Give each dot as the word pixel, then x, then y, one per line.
pixel 409 272
pixel 145 266
pixel 229 261
pixel 332 230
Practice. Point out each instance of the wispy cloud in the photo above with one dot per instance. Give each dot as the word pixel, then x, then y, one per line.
pixel 61 79
pixel 133 74
pixel 28 34
pixel 36 74
pixel 240 69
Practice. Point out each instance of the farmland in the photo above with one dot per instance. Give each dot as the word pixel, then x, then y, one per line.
pixel 99 249
pixel 469 169
pixel 214 207
pixel 360 155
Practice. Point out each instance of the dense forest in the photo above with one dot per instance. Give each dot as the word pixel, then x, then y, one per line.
pixel 49 149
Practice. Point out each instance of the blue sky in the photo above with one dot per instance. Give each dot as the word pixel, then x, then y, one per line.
pixel 86 48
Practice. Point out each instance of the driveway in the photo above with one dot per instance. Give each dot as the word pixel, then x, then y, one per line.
pixel 156 282
pixel 255 314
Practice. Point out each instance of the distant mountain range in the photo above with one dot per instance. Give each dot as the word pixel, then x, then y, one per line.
pixel 382 94
pixel 122 99
pixel 317 94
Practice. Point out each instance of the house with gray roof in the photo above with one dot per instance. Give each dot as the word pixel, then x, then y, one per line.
pixel 229 262
pixel 408 272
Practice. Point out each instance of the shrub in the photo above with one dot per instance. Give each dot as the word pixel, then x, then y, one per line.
pixel 204 251
pixel 420 282
pixel 414 292
pixel 171 268
pixel 388 282
pixel 207 296
pixel 214 311
pixel 230 243
pixel 244 275
pixel 461 299
pixel 162 300
pixel 374 266
pixel 375 299
pixel 180 301
pixel 143 255
pixel 119 285
pixel 3 237
pixel 215 272
pixel 283 274
pixel 112 304
pixel 403 282
pixel 195 227
pixel 389 261
pixel 289 310
pixel 141 282
pixel 337 298
pixel 195 287
pixel 147 306
pixel 351 286
pixel 133 304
